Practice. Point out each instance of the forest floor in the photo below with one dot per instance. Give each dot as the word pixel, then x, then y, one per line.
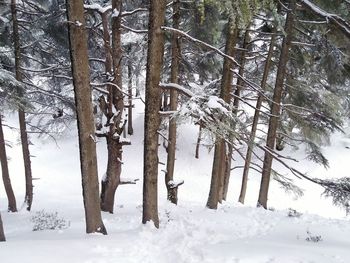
pixel 188 232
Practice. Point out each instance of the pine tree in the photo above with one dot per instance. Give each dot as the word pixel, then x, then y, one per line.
pixel 28 199
pixel 12 207
pixel 219 164
pixel 171 186
pixel 275 108
pixel 86 129
pixel 153 103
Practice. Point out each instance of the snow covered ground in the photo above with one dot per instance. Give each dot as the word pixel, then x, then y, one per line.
pixel 188 232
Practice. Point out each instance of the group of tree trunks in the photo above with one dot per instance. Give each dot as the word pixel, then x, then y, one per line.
pixel 111 104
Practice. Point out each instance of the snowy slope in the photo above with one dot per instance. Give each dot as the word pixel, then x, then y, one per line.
pixel 189 232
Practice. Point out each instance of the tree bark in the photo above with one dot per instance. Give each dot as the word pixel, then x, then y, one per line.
pixel 236 100
pixel 130 124
pixel 115 108
pixel 28 199
pixel 85 118
pixel 218 169
pixel 12 207
pixel 112 179
pixel 275 107
pixel 175 63
pixel 199 139
pixel 259 101
pixel 2 234
pixel 155 55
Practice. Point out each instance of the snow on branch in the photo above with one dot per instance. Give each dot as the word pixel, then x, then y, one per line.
pixel 128 181
pixel 138 31
pixel 333 19
pixel 173 184
pixel 177 87
pixel 98 8
pixel 128 13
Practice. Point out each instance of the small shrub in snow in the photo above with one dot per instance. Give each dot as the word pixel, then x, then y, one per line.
pixel 48 221
pixel 313 238
pixel 294 213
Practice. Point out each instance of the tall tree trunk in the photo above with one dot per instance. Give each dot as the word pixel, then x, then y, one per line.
pixel 85 118
pixel 28 199
pixel 12 207
pixel 218 169
pixel 275 107
pixel 111 181
pixel 259 101
pixel 175 63
pixel 130 106
pixel 227 174
pixel 155 55
pixel 2 234
pixel 199 139
pixel 236 99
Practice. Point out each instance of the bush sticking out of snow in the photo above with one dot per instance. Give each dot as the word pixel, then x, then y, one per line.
pixel 48 221
pixel 294 213
pixel 313 238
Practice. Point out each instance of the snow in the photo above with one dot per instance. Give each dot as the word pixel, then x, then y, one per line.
pixel 178 88
pixel 78 23
pixel 188 232
pixel 124 140
pixel 98 8
pixel 213 103
pixel 131 38
pixel 115 12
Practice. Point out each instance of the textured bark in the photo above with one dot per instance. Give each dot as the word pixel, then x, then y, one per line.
pixel 85 118
pixel 259 102
pixel 112 180
pixel 130 124
pixel 275 107
pixel 199 139
pixel 218 170
pixel 236 100
pixel 26 158
pixel 153 103
pixel 175 63
pixel 28 198
pixel 115 104
pixel 227 175
pixel 2 234
pixel 12 207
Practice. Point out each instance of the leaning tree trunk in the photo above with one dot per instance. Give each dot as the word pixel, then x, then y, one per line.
pixel 12 207
pixel 2 234
pixel 86 129
pixel 219 163
pixel 114 104
pixel 259 102
pixel 276 106
pixel 175 63
pixel 236 99
pixel 153 103
pixel 28 199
